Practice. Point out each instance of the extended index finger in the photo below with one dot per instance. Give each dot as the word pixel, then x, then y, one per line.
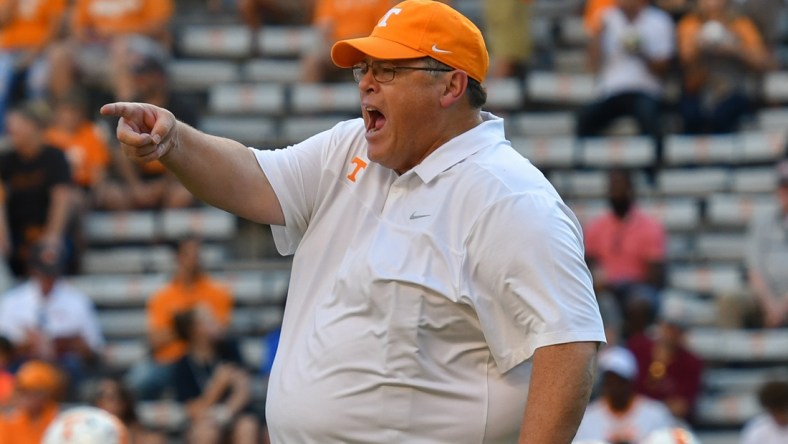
pixel 120 109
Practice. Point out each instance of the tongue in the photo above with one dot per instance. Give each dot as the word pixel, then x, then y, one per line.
pixel 380 121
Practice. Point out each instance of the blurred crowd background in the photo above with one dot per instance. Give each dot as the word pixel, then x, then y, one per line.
pixel 662 124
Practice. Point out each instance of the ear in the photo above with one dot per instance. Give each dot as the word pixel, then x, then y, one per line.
pixel 454 88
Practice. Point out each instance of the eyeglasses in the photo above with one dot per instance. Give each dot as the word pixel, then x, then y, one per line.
pixel 384 72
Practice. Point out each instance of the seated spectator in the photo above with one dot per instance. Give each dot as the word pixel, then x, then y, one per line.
pixel 115 398
pixel 148 185
pixel 766 305
pixel 592 14
pixel 508 31
pixel 630 54
pixel 338 20
pixel 38 388
pixel 625 249
pixel 256 13
pixel 102 33
pixel 719 51
pixel 212 382
pixel 667 370
pixel 767 16
pixel 7 358
pixel 47 318
pixel 620 415
pixel 771 426
pixel 37 186
pixel 190 287
pixel 27 28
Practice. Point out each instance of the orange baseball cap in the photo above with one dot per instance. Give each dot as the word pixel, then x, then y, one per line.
pixel 38 375
pixel 420 28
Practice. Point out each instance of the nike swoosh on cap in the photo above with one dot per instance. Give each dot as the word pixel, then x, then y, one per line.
pixel 436 49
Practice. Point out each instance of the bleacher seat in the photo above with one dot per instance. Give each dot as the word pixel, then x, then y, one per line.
pixel 308 98
pixel 140 259
pixel 565 89
pixel 189 75
pixel 296 129
pixel 547 152
pixel 684 150
pixel 676 214
pixel 732 345
pixel 573 32
pixel 249 287
pixel 694 310
pixel 287 41
pixel 692 181
pixel 548 124
pixel 680 247
pixel 763 146
pixel 208 223
pixel 215 41
pixel 736 210
pixel 271 70
pixel 754 180
pixel 607 152
pixel 587 210
pixel 721 246
pixel 731 409
pixel 718 436
pixel 772 119
pixel 504 94
pixel 570 61
pixel 253 131
pixel 123 354
pixel 741 380
pixel 713 278
pixel 234 98
pixel 167 415
pixel 125 226
pixel 580 183
pixel 775 87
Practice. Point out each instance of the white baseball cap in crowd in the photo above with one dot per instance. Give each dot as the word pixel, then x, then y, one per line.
pixel 618 360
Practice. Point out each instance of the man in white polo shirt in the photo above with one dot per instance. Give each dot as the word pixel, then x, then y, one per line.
pixel 438 279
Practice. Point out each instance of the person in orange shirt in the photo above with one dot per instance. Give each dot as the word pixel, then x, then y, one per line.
pixel 83 141
pixel 27 28
pixel 7 353
pixel 190 287
pixel 107 30
pixel 336 20
pixel 38 386
pixel 719 51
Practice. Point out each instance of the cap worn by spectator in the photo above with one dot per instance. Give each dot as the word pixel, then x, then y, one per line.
pixel 46 260
pixel 38 376
pixel 419 28
pixel 618 360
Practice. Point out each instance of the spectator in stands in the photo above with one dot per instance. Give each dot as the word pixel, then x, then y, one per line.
pixel 592 14
pixel 47 318
pixel 117 399
pixel 509 36
pixel 770 427
pixel 719 51
pixel 27 28
pixel 767 256
pixel 148 185
pixel 630 54
pixel 212 382
pixel 620 415
pixel 103 31
pixel 767 16
pixel 190 287
pixel 336 20
pixel 37 183
pixel 7 357
pixel 625 249
pixel 38 388
pixel 667 370
pixel 256 13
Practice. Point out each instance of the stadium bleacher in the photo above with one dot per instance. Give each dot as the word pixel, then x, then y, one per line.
pixel 705 193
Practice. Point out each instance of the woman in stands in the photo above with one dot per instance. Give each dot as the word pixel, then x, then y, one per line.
pixel 115 398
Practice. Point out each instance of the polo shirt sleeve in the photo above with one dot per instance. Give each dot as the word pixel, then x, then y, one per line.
pixel 527 279
pixel 295 173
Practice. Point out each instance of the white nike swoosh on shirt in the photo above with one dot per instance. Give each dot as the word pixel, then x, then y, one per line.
pixel 436 49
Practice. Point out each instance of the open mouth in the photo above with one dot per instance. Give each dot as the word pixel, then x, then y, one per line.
pixel 376 120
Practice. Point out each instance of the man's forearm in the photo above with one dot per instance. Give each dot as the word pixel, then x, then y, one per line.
pixel 222 173
pixel 560 387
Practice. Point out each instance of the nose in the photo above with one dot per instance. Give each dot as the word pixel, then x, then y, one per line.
pixel 368 84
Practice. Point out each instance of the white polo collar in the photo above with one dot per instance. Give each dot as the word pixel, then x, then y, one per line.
pixel 488 133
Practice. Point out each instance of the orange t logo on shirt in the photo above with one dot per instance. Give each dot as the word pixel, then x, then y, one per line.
pixel 360 165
